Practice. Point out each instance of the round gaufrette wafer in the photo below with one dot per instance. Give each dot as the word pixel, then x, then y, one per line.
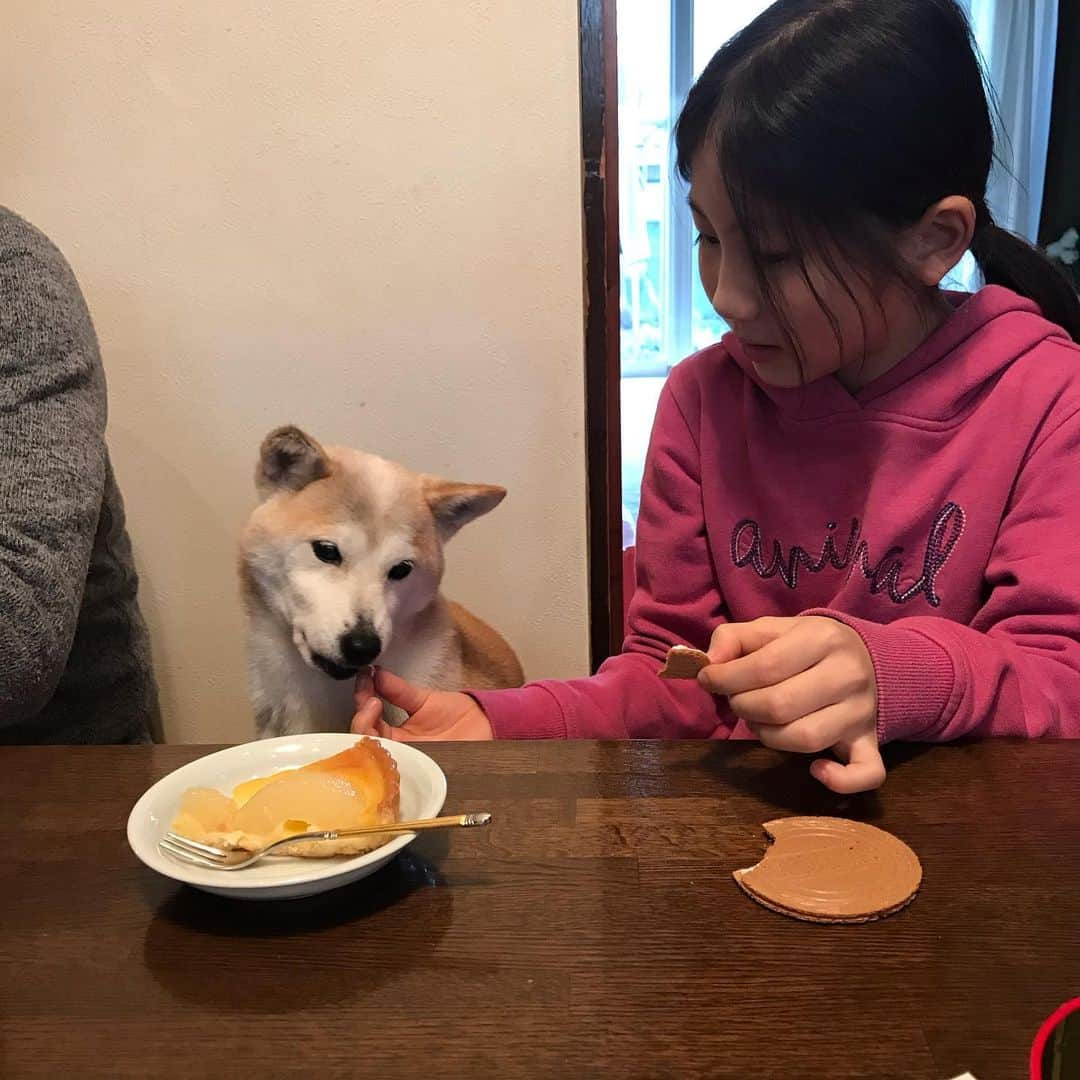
pixel 831 870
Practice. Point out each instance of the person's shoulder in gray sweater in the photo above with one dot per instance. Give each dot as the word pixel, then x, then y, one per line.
pixel 74 654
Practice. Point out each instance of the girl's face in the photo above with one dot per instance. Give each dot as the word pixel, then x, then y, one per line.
pixel 875 327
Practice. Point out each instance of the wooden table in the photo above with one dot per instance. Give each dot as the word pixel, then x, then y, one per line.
pixel 593 930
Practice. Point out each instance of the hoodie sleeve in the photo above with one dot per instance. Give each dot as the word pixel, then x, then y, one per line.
pixel 677 601
pixel 1016 669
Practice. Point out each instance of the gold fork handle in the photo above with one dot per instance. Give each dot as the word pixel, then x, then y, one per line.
pixel 462 821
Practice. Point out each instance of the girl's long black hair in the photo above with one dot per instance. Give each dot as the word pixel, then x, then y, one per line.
pixel 837 121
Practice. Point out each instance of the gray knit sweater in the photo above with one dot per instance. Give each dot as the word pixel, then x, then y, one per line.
pixel 74 654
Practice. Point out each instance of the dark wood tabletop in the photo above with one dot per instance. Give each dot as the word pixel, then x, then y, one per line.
pixel 592 930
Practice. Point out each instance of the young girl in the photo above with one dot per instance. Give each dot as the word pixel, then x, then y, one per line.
pixel 863 498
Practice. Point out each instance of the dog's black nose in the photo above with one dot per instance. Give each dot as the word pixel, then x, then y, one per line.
pixel 360 645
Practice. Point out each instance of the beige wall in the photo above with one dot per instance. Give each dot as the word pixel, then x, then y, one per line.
pixel 359 216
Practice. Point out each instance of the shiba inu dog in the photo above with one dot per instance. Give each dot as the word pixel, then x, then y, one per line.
pixel 340 567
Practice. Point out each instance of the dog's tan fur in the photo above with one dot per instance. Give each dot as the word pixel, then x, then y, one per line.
pixel 378 513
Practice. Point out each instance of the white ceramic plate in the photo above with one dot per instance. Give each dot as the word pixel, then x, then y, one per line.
pixel 423 792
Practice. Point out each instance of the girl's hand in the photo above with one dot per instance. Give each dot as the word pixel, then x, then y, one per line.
pixel 433 714
pixel 805 684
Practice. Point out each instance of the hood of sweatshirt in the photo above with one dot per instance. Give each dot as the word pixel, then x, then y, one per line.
pixel 986 333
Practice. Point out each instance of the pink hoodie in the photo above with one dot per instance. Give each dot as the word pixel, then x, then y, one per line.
pixel 936 512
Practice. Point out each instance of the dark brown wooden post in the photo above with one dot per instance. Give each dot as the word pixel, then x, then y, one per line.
pixel 599 142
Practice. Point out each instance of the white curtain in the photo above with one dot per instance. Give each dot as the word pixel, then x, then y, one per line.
pixel 1018 41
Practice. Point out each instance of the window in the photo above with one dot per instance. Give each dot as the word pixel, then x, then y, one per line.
pixel 664 313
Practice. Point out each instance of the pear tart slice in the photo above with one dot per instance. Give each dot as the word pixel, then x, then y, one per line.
pixel 358 787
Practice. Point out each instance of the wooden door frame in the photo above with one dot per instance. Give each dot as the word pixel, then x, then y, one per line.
pixel 600 152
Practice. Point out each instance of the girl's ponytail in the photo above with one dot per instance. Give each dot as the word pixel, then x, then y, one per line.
pixel 1006 259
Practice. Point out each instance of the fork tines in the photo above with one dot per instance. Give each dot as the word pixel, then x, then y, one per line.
pixel 191 850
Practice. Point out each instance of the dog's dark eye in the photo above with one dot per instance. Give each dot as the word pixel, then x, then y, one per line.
pixel 400 570
pixel 326 552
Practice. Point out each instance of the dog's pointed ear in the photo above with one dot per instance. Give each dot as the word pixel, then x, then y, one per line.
pixel 289 459
pixel 454 505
